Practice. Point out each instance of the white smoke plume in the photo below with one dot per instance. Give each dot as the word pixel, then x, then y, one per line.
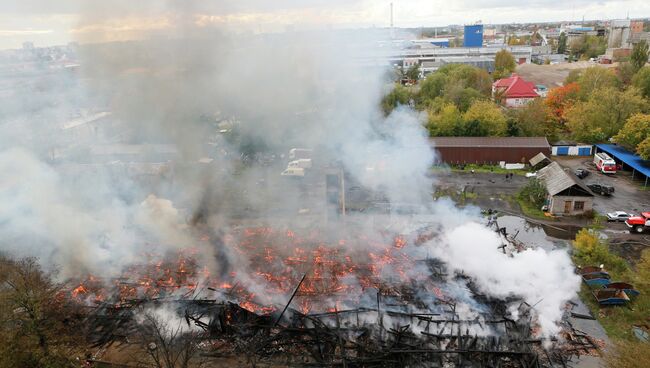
pixel 545 279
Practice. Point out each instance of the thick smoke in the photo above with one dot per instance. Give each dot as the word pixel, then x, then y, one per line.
pixel 266 94
pixel 545 279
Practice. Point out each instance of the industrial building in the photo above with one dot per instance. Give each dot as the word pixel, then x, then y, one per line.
pixel 432 58
pixel 473 36
pixel 427 42
pixel 566 195
pixel 489 150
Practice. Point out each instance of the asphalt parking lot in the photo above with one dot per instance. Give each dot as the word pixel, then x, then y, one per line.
pixel 628 195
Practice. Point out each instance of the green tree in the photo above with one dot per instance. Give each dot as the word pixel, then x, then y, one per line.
pixel 504 64
pixel 635 131
pixel 603 114
pixel 596 78
pixel 448 121
pixel 533 120
pixel 413 72
pixel 398 96
pixel 484 118
pixel 469 76
pixel 573 76
pixel 456 83
pixel 641 80
pixel 561 45
pixel 534 193
pixel 588 46
pixel 432 87
pixel 643 149
pixel 513 129
pixel 462 97
pixel 639 55
pixel 625 72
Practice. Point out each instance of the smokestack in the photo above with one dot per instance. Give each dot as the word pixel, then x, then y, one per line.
pixel 391 15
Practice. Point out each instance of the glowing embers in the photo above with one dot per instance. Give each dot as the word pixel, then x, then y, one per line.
pixel 265 267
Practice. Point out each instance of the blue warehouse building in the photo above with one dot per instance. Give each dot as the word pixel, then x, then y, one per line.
pixel 473 36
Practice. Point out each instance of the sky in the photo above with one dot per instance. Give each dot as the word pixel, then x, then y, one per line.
pixel 48 22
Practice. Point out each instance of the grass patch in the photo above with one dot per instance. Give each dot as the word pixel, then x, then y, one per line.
pixel 530 209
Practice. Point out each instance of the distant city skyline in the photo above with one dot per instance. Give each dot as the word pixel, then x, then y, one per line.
pixel 47 22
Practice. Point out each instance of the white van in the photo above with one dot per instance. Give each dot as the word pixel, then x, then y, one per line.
pixel 298 153
pixel 293 171
pixel 303 163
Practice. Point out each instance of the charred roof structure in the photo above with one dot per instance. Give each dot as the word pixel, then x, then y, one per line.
pixel 567 196
pixel 489 150
pixel 396 324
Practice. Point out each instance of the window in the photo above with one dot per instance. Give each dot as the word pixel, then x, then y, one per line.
pixel 578 206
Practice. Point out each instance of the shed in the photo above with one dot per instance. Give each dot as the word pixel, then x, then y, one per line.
pixel 640 167
pixel 539 161
pixel 489 150
pixel 564 148
pixel 566 195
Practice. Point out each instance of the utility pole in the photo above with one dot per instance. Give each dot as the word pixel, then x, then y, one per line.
pixel 342 178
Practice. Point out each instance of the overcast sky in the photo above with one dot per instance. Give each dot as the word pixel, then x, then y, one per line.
pixel 47 22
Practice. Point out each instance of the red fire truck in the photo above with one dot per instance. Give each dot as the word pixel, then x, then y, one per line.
pixel 604 163
pixel 638 224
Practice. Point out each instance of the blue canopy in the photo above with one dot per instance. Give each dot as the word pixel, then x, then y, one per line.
pixel 628 158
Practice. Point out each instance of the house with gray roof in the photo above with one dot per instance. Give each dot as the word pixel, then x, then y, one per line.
pixel 566 194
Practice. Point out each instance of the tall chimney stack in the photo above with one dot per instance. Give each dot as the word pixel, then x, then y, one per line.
pixel 391 15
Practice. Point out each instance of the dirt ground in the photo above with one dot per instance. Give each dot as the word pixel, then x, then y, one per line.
pixel 553 75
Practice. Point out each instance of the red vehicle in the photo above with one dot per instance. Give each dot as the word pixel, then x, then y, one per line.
pixel 638 224
pixel 604 163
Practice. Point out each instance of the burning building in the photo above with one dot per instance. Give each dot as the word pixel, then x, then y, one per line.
pixel 237 259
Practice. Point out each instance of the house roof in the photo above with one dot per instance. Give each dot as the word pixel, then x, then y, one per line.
pixel 538 158
pixel 558 181
pixel 516 87
pixel 510 142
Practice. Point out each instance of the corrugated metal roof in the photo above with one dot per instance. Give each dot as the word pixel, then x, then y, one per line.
pixel 557 180
pixel 510 142
pixel 537 159
pixel 629 158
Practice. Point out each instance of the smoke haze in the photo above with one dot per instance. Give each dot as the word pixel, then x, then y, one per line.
pixel 267 93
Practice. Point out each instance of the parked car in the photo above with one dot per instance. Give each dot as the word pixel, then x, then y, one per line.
pixel 618 216
pixel 602 189
pixel 581 173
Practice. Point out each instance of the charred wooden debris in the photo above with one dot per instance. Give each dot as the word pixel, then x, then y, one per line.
pixel 383 335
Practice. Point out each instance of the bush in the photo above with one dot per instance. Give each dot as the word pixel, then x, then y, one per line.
pixel 534 193
pixel 591 250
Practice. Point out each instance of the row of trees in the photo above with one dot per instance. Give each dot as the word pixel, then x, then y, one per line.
pixel 594 105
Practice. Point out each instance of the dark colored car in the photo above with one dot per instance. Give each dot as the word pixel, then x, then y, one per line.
pixel 581 173
pixel 602 189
